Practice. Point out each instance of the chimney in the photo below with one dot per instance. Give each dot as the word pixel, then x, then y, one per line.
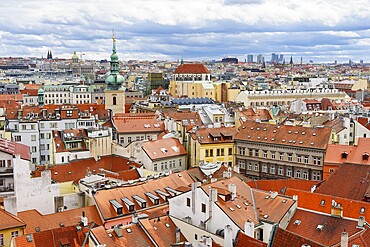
pixel 84 220
pixel 295 197
pixel 194 186
pixel 178 234
pixel 212 200
pixel 232 190
pixel 361 222
pixel 249 228
pixel 274 194
pixel 344 239
pixel 118 231
pixel 228 237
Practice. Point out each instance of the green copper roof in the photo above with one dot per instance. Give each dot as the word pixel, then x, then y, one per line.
pixel 114 79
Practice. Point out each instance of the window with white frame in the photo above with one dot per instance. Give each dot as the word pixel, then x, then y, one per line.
pixel 305 175
pixel 272 169
pixel 264 168
pixel 298 174
pixel 281 171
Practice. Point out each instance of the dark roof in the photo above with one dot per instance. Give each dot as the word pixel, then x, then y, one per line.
pixel 195 68
pixel 284 238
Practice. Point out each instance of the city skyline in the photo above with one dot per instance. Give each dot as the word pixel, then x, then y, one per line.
pixel 322 31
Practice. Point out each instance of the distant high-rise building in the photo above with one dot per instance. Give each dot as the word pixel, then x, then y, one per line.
pixel 274 57
pixel 281 58
pixel 250 58
pixel 259 58
pixel 230 60
pixel 291 60
pixel 361 61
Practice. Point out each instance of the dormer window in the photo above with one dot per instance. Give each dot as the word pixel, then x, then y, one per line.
pixel 344 155
pixel 365 156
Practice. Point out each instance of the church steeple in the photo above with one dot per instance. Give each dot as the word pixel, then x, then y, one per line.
pixel 114 80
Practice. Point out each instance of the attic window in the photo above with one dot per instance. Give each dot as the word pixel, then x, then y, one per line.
pixel 289 132
pixel 314 134
pixel 362 210
pixel 322 203
pixel 297 222
pixel 274 131
pixel 167 225
pixel 365 156
pixel 344 155
pixel 303 133
pixel 319 227
pixel 284 201
pixel 265 216
pixel 128 230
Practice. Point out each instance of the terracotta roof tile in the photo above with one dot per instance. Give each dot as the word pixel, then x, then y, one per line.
pixel 281 185
pixel 34 219
pixel 137 124
pixel 15 148
pixel 243 240
pixel 284 238
pixel 164 148
pixel 330 231
pixel 214 135
pixel 297 136
pixel 195 68
pixel 353 181
pixel 9 221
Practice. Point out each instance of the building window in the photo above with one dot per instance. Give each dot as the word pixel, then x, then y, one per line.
pixel 23 126
pixel 316 176
pixel 242 151
pixel 69 113
pixel 2 182
pixel 306 159
pixel 299 159
pixel 114 100
pixel 264 154
pixel 180 162
pixel 34 160
pixel 264 168
pixel 256 152
pixel 289 172
pixel 155 167
pixel 33 137
pixel 188 201
pixel 1 239
pixel 273 156
pixel 17 138
pixel 316 160
pixel 251 152
pixel 33 149
pixel 241 164
pixel 62 159
pixel 250 166
pixel 14 234
pixel 298 174
pixel 331 170
pixel 281 171
pixel 230 151
pixel 281 156
pixel 290 157
pixel 207 153
pixel 272 169
pixel 305 175
pixel 256 167
pixel 203 208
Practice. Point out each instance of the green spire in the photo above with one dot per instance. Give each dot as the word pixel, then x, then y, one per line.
pixel 114 80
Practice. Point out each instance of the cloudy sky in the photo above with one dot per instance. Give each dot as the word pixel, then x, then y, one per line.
pixel 319 30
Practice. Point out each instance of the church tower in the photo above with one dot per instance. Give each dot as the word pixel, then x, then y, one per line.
pixel 115 92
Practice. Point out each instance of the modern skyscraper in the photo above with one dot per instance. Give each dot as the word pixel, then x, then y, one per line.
pixel 250 58
pixel 260 58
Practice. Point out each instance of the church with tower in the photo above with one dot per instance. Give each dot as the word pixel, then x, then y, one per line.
pixel 115 90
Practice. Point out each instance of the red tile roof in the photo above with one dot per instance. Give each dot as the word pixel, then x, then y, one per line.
pixel 353 180
pixel 159 231
pixel 354 153
pixel 164 148
pixel 138 124
pixel 243 240
pixel 103 197
pixel 54 237
pixel 214 135
pixel 364 122
pixel 77 169
pixel 332 227
pixel 284 238
pixel 297 136
pixel 9 221
pixel 15 148
pixel 323 203
pixel 34 219
pixel 136 237
pixel 195 68
pixel 281 185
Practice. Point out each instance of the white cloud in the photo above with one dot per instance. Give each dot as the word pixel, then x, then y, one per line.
pixel 194 29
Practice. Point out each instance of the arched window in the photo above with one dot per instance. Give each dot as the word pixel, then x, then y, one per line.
pixel 114 100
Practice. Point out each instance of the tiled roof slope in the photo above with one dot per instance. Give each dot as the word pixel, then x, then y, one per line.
pixel 243 240
pixel 284 238
pixel 323 203
pixel 297 136
pixel 34 219
pixel 77 169
pixel 164 148
pixel 281 185
pixel 349 181
pixel 195 68
pixel 207 135
pixel 15 148
pixel 136 237
pixel 9 221
pixel 354 153
pixel 329 234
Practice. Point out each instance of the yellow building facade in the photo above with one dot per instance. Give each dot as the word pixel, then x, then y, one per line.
pixel 10 226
